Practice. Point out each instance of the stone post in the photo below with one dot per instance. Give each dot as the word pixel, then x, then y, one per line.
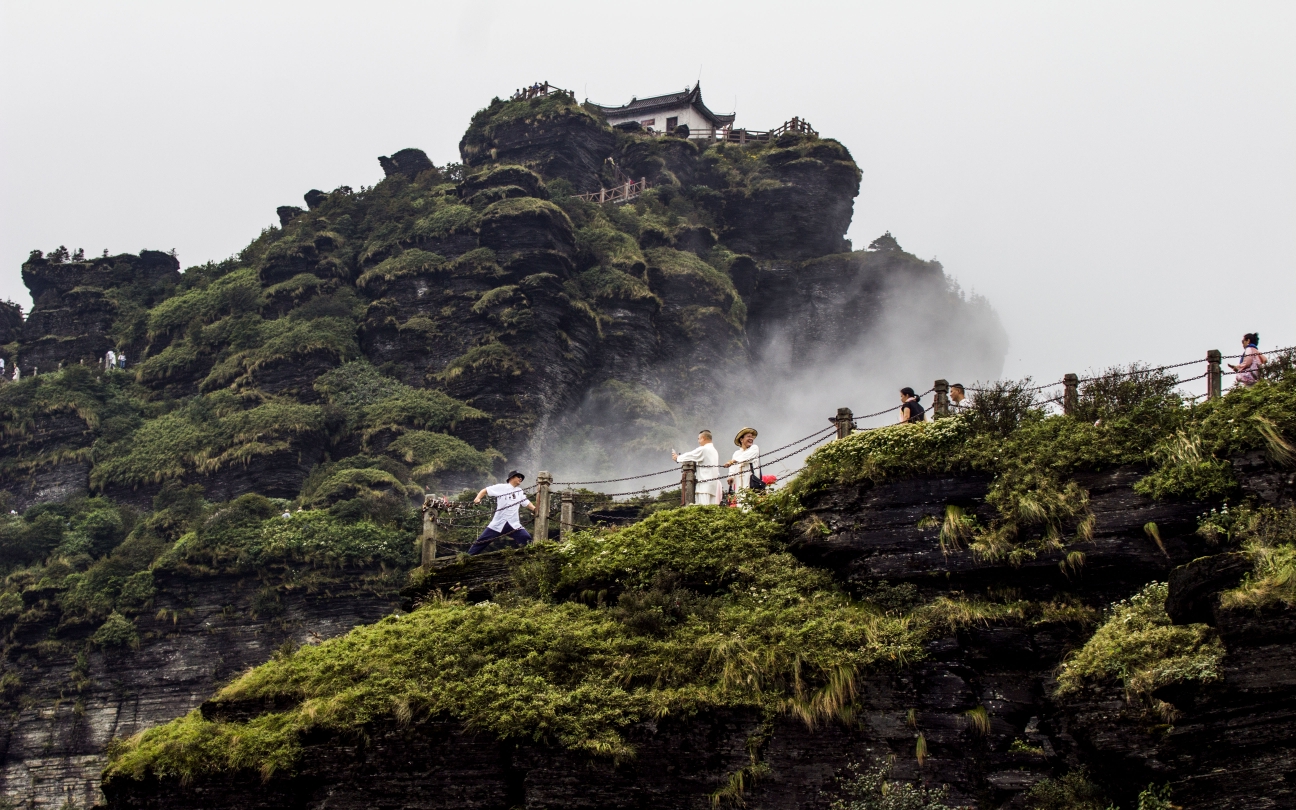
pixel 602 195
pixel 940 403
pixel 688 483
pixel 1070 394
pixel 429 539
pixel 845 421
pixel 1214 375
pixel 566 519
pixel 541 529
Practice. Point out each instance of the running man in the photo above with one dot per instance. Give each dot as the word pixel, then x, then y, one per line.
pixel 509 499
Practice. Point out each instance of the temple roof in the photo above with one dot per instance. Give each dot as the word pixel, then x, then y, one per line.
pixel 692 97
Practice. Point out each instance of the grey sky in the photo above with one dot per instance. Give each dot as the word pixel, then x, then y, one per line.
pixel 1118 178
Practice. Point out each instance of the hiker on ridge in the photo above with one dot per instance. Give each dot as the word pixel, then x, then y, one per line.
pixel 958 398
pixel 747 457
pixel 709 476
pixel 911 410
pixel 509 499
pixel 1248 366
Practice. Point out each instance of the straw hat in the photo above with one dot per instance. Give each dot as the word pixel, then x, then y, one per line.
pixel 741 433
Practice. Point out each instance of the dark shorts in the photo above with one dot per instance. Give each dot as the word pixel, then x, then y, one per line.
pixel 515 537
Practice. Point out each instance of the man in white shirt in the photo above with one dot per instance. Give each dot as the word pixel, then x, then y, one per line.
pixel 708 467
pixel 509 499
pixel 958 398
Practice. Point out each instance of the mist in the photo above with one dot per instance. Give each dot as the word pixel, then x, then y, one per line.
pixel 869 326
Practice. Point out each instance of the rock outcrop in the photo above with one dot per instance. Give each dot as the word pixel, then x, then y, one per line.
pixel 75 305
pixel 77 696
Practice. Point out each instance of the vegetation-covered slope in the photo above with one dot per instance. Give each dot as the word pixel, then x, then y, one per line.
pixel 702 609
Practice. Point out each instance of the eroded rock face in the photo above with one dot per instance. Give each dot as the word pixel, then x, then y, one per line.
pixel 205 631
pixel 872 533
pixel 75 304
pixel 1232 742
pixel 800 210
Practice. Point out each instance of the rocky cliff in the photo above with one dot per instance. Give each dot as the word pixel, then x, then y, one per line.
pixel 1004 647
pixel 486 282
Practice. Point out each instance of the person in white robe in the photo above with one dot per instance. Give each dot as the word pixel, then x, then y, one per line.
pixel 746 459
pixel 710 477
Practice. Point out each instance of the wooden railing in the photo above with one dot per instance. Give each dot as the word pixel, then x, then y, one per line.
pixel 739 136
pixel 617 194
pixel 538 90
pixel 745 136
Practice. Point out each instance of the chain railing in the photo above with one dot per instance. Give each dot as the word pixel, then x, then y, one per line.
pixel 441 516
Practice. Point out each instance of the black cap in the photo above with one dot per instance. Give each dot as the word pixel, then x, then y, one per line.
pixel 514 474
pixel 909 392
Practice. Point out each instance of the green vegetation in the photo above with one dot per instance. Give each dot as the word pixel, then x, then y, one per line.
pixel 208 433
pixel 1073 791
pixel 1269 536
pixel 691 609
pixel 1139 646
pixel 80 572
pixel 1136 419
pixel 869 789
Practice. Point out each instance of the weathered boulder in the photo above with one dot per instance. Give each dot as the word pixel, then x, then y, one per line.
pixel 407 162
pixel 551 134
pixel 287 213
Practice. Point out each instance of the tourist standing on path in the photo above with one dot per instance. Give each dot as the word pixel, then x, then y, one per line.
pixel 747 457
pixel 1248 367
pixel 509 499
pixel 958 398
pixel 911 410
pixel 708 469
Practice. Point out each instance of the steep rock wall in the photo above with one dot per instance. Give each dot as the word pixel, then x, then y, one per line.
pixel 75 697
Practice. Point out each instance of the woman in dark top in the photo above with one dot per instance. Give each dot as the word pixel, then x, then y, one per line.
pixel 911 410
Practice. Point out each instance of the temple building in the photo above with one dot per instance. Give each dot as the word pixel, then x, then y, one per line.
pixel 665 113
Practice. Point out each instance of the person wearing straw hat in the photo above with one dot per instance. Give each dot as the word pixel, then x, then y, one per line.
pixel 509 499
pixel 747 457
pixel 708 469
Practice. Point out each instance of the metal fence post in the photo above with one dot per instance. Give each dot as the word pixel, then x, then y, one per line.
pixel 566 518
pixel 688 483
pixel 429 539
pixel 1070 394
pixel 940 403
pixel 845 422
pixel 543 482
pixel 1214 375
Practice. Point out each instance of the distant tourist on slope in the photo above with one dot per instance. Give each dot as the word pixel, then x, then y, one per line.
pixel 911 410
pixel 747 457
pixel 1248 367
pixel 708 469
pixel 958 398
pixel 509 499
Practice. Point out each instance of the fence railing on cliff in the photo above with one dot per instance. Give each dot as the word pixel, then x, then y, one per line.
pixel 741 137
pixel 617 194
pixel 540 89
pixel 441 514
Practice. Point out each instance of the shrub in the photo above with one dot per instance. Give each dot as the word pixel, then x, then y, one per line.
pixel 1269 535
pixel 116 631
pixel 1140 647
pixel 1074 791
pixel 869 789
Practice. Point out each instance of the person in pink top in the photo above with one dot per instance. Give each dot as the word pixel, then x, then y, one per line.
pixel 1248 365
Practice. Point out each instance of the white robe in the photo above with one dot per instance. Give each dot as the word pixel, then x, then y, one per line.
pixel 747 462
pixel 708 461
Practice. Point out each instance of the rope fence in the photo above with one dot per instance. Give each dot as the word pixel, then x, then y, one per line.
pixel 446 521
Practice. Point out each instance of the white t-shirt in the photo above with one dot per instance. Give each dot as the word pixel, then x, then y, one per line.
pixel 508 500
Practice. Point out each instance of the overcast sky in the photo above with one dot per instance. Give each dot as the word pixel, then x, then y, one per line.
pixel 1118 178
